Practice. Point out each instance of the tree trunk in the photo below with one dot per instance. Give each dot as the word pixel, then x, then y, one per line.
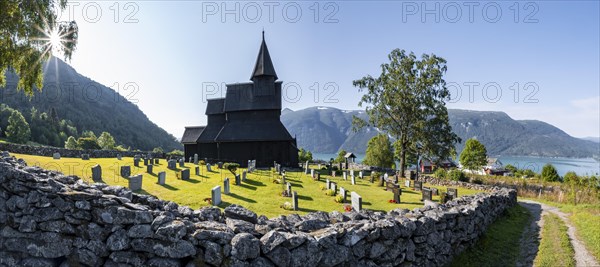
pixel 402 160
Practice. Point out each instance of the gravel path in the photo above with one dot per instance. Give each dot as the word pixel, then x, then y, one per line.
pixel 531 235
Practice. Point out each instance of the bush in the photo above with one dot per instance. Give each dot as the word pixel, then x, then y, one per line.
pixel 202 162
pixel 330 192
pixel 231 167
pixel 440 173
pixel 287 206
pixel 339 199
pixel 477 180
pixel 549 173
pixel 457 175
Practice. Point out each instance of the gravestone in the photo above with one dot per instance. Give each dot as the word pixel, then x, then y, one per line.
pixel 312 173
pixel 226 188
pixel 353 180
pixel 196 159
pixel 208 167
pixel 356 201
pixel 319 166
pixel 125 171
pixel 333 186
pixel 162 178
pixel 453 192
pixel 333 174
pixel 85 156
pixel 351 172
pixel 181 163
pixel 149 168
pixel 385 176
pixel 327 183
pixel 288 188
pixel 56 156
pixel 418 185
pixel 345 174
pixel 171 164
pixel 146 161
pixel 397 192
pixel 318 176
pixel 407 183
pixel 185 174
pixel 390 186
pixel 5 154
pixel 220 164
pixel 136 162
pixel 135 182
pixel 244 174
pixel 343 194
pixel 216 195
pixel 361 174
pixel 295 200
pixel 156 162
pixel 118 156
pixel 190 160
pixel 238 181
pixel 381 181
pixel 97 173
pixel 425 194
pixel 434 191
pixel 306 168
pixel 197 169
pixel 283 180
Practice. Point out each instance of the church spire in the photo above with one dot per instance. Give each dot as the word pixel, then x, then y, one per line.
pixel 264 65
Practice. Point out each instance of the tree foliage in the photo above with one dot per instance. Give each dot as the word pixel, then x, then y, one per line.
pixel 474 155
pixel 304 155
pixel 549 173
pixel 407 101
pixel 18 129
pixel 27 28
pixel 71 143
pixel 379 152
pixel 341 156
pixel 231 167
pixel 106 141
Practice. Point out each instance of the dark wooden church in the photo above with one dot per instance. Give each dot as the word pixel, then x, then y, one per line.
pixel 245 125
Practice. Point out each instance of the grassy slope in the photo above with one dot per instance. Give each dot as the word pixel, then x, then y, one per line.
pixel 500 245
pixel 555 246
pixel 258 193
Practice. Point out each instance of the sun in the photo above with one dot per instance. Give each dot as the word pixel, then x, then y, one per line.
pixel 55 42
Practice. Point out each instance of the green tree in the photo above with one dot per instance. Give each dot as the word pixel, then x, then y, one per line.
pixel 340 157
pixel 87 143
pixel 511 168
pixel 407 101
pixel 304 155
pixel 18 129
pixel 379 152
pixel 157 150
pixel 474 155
pixel 28 29
pixel 71 143
pixel 549 173
pixel 571 177
pixel 106 141
pixel 231 167
pixel 89 134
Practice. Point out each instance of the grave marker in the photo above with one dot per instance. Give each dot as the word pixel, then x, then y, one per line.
pixel 353 180
pixel 238 180
pixel 244 174
pixel 135 182
pixel 97 173
pixel 356 201
pixel 318 176
pixel 185 174
pixel 196 159
pixel 181 163
pixel 343 194
pixel 149 168
pixel 288 188
pixel 125 171
pixel 118 156
pixel 425 194
pixel 418 185
pixel 434 191
pixel 327 183
pixel 171 164
pixel 312 173
pixel 333 186
pixel 146 161
pixel 56 156
pixel 345 175
pixel 226 188
pixel 407 183
pixel 295 200
pixel 156 161
pixel 216 195
pixel 136 162
pixel 85 156
pixel 197 169
pixel 453 192
pixel 208 167
pixel 162 178
pixel 361 174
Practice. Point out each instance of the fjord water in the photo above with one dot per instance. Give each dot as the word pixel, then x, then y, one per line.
pixel 581 166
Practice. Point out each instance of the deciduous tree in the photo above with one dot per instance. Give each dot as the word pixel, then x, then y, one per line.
pixel 379 152
pixel 18 129
pixel 474 155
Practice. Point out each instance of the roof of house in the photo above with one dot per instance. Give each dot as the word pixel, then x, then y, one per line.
pixel 215 106
pixel 264 65
pixel 191 134
pixel 349 155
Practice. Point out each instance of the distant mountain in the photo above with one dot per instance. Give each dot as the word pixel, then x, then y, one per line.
pixel 89 106
pixel 327 130
pixel 593 139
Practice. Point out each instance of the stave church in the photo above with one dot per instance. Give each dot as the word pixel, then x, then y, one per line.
pixel 245 125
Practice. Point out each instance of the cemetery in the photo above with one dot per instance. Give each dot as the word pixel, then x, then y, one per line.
pixel 257 192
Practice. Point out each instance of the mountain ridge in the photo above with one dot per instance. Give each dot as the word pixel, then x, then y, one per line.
pixel 501 134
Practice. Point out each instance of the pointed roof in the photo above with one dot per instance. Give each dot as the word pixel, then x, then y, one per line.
pixel 264 65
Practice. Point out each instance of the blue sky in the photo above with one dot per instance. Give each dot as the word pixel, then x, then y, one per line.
pixel 175 52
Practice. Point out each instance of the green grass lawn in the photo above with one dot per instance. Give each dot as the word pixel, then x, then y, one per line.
pixel 259 193
pixel 500 244
pixel 555 247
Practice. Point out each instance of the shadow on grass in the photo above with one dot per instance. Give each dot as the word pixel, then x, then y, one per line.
pixel 191 180
pixel 247 186
pixel 305 198
pixel 169 187
pixel 412 203
pixel 245 199
pixel 254 183
pixel 297 185
pixel 306 210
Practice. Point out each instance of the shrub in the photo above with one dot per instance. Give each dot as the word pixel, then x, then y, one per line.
pixel 339 199
pixel 440 173
pixel 457 175
pixel 330 192
pixel 287 206
pixel 202 162
pixel 231 166
pixel 477 180
pixel 375 176
pixel 549 173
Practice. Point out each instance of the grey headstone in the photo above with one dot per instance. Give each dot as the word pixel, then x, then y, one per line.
pixel 185 174
pixel 197 169
pixel 312 173
pixel 343 193
pixel 434 191
pixel 418 185
pixel 226 186
pixel 238 180
pixel 149 168
pixel 135 182
pixel 196 159
pixel 146 161
pixel 208 167
pixel 125 171
pixel 327 184
pixel 333 186
pixel 216 195
pixel 353 179
pixel 220 164
pixel 5 154
pixel 345 175
pixel 162 178
pixel 172 164
pixel 288 188
pixel 295 200
pixel 360 174
pixel 136 162
pixel 244 174
pixel 119 157
pixel 407 183
pixel 156 161
pixel 452 192
pixel 425 194
pixel 97 173
pixel 356 201
pixel 181 163
pixel 351 172
pixel 56 156
pixel 85 156
pixel 190 160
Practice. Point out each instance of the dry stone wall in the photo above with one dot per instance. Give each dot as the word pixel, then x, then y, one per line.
pixel 48 219
pixel 48 151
